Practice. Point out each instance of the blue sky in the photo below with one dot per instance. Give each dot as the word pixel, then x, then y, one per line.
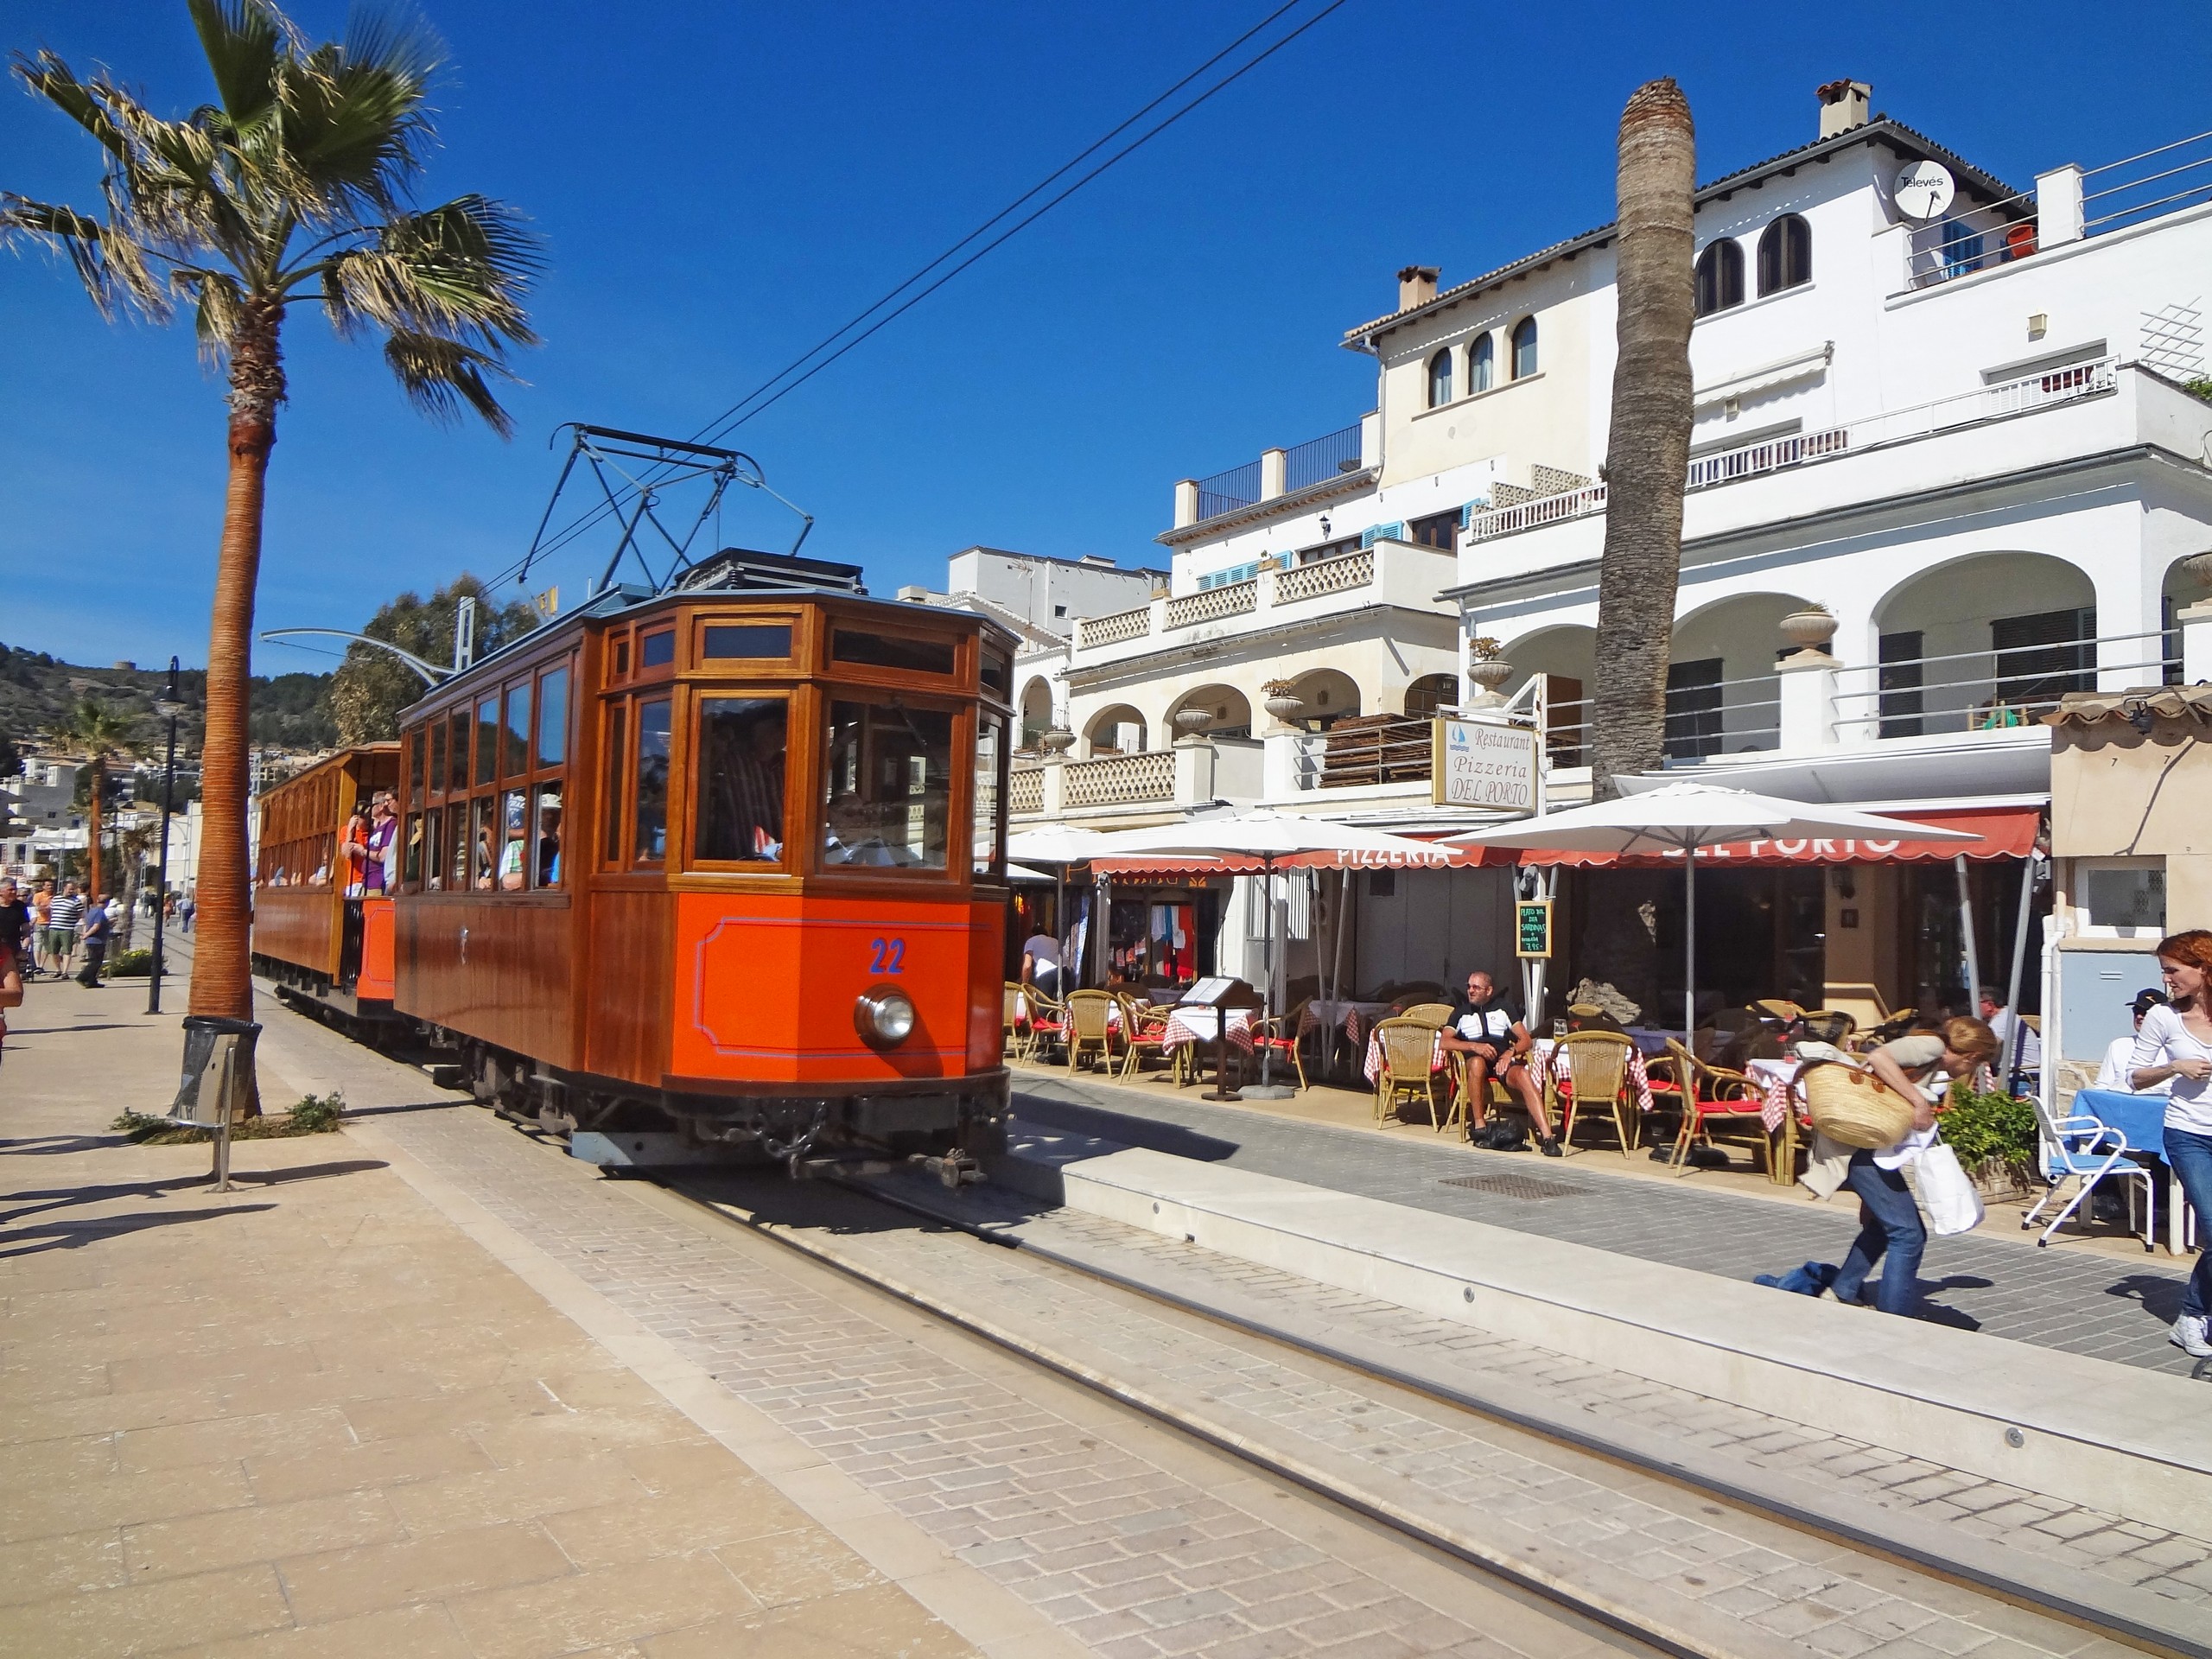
pixel 720 184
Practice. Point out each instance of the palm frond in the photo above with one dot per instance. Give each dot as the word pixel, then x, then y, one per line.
pixel 458 270
pixel 48 77
pixel 243 41
pixel 440 376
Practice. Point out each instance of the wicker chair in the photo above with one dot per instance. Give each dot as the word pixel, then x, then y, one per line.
pixel 1144 1029
pixel 1597 1063
pixel 1016 1031
pixel 1279 1036
pixel 1434 1016
pixel 1090 1027
pixel 1048 1020
pixel 1710 1094
pixel 1409 1048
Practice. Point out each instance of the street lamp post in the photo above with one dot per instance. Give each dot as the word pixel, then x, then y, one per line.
pixel 168 706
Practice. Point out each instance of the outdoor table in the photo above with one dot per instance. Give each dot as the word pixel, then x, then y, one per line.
pixel 1188 1024
pixel 1781 1106
pixel 2141 1119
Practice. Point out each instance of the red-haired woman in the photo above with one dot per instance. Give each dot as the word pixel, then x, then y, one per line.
pixel 2175 1043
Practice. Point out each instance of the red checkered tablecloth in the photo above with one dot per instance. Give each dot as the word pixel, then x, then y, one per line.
pixel 1198 1025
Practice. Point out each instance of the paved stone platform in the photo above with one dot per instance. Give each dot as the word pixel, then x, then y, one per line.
pixel 2076 1301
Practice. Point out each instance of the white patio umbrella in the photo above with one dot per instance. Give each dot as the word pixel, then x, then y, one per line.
pixel 1268 835
pixel 1683 818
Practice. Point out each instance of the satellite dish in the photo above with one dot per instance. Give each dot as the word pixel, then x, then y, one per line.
pixel 1922 190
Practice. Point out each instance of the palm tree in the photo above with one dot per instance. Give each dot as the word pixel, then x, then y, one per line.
pixel 294 187
pixel 98 733
pixel 1648 453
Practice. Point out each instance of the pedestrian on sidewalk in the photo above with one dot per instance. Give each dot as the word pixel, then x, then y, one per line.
pixel 185 910
pixel 63 918
pixel 97 928
pixel 2173 1045
pixel 15 926
pixel 41 919
pixel 1922 1067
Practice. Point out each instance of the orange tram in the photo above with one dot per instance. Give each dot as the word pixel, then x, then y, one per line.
pixel 715 871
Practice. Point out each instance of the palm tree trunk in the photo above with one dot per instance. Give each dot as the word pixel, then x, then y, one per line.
pixel 222 982
pixel 92 852
pixel 1647 451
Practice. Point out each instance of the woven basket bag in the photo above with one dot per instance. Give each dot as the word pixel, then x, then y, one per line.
pixel 1856 1108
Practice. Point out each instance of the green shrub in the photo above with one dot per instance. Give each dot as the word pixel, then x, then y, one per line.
pixel 1996 1126
pixel 315 1115
pixel 318 1113
pixel 130 965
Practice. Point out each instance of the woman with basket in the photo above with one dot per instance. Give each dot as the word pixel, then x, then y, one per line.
pixel 2173 1046
pixel 1884 1118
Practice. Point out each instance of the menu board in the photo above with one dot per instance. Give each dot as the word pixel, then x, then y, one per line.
pixel 1532 928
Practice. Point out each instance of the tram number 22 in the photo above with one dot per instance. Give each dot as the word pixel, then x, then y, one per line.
pixel 890 956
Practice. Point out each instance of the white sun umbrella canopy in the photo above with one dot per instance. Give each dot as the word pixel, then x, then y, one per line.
pixel 1258 832
pixel 1684 818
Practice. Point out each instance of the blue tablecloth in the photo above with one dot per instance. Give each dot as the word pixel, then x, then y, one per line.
pixel 2141 1118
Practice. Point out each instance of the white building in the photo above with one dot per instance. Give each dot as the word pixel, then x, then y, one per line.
pixel 1974 437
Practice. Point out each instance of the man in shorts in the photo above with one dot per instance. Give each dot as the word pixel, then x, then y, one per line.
pixel 1485 1035
pixel 63 918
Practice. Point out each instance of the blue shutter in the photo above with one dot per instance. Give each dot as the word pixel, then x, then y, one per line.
pixel 1383 533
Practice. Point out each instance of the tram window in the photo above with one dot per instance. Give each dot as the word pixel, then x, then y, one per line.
pixel 437 755
pixel 415 763
pixel 618 727
pixel 888 791
pixel 481 831
pixel 892 651
pixel 743 744
pixel 410 862
pixel 553 717
pixel 487 739
pixel 650 822
pixel 457 733
pixel 657 650
pixel 759 641
pixel 990 793
pixel 546 871
pixel 514 841
pixel 518 756
pixel 456 849
pixel 621 656
pixel 996 673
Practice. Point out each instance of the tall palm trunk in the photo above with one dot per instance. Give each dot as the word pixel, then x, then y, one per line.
pixel 1647 451
pixel 92 852
pixel 222 981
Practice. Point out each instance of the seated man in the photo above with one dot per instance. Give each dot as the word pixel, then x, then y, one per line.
pixel 2118 1071
pixel 1487 1036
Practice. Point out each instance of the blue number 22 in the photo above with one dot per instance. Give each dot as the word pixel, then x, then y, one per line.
pixel 889 955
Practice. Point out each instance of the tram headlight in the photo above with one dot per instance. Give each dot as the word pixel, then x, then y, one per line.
pixel 884 1016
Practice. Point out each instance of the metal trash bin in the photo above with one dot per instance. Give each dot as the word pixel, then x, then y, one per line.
pixel 218 1081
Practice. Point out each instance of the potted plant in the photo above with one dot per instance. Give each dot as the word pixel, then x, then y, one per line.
pixel 1486 665
pixel 1994 1136
pixel 1281 700
pixel 1809 627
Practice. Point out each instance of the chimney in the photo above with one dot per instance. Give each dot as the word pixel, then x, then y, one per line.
pixel 1417 286
pixel 1843 106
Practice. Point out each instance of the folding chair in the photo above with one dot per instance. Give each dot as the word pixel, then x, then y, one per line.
pixel 1408 1049
pixel 1090 1027
pixel 1596 1069
pixel 1710 1094
pixel 2086 1150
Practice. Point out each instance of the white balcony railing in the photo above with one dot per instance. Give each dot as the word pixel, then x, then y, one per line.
pixel 2052 387
pixel 1119 779
pixel 1112 629
pixel 1213 604
pixel 1346 570
pixel 1989 690
pixel 1025 790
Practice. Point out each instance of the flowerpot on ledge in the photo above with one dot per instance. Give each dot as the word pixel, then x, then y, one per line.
pixel 1192 722
pixel 1284 707
pixel 1058 741
pixel 1810 628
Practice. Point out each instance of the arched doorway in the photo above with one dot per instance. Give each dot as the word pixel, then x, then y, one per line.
pixel 1327 696
pixel 1723 695
pixel 1227 708
pixel 1117 730
pixel 1036 713
pixel 1991 640
pixel 1568 657
pixel 1430 692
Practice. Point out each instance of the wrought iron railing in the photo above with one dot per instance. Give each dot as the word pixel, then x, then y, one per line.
pixel 1226 492
pixel 1318 459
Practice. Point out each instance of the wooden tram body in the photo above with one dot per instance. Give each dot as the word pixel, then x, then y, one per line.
pixel 309 937
pixel 724 864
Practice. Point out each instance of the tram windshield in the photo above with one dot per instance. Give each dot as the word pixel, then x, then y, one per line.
pixel 887 787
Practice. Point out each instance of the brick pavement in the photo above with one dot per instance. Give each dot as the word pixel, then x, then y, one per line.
pixel 2081 1303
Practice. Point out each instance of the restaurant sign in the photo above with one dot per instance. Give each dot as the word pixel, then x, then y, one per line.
pixel 1483 763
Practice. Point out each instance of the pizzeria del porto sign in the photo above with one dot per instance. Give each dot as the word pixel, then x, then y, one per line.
pixel 1485 764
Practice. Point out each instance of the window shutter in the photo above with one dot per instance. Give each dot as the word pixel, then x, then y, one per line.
pixel 1395 532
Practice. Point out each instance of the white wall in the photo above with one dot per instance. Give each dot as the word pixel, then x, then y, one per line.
pixel 1435 925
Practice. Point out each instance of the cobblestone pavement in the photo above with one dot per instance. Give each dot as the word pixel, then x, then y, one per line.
pixel 2171 1564
pixel 2077 1302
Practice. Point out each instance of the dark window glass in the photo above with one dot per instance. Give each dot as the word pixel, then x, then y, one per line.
pixel 482 829
pixel 743 742
pixel 1694 712
pixel 517 757
pixel 657 650
pixel 887 794
pixel 1440 378
pixel 1899 683
pixel 457 847
pixel 1441 530
pixel 1785 254
pixel 415 763
pixel 547 873
pixel 751 639
pixel 457 735
pixel 410 856
pixel 997 673
pixel 553 717
pixel 487 739
pixel 649 844
pixel 889 651
pixel 1720 278
pixel 618 729
pixel 1525 348
pixel 437 755
pixel 1482 364
pixel 621 657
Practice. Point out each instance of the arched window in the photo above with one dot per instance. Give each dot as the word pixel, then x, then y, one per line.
pixel 1525 348
pixel 1440 378
pixel 1785 255
pixel 1482 368
pixel 1720 276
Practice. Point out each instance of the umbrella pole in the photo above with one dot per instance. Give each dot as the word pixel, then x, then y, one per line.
pixel 1689 947
pixel 1268 965
pixel 1966 926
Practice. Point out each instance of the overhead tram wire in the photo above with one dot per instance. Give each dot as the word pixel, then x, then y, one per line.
pixel 738 414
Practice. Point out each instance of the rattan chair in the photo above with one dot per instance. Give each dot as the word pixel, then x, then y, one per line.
pixel 1048 1020
pixel 1712 1094
pixel 1596 1065
pixel 1409 1051
pixel 1091 1027
pixel 1144 1030
pixel 1016 1032
pixel 1279 1036
pixel 1435 1015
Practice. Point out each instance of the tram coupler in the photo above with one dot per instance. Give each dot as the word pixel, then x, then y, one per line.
pixel 956 1169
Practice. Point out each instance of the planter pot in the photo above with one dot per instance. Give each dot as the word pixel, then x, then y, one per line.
pixel 1998 1181
pixel 1810 629
pixel 1285 708
pixel 1192 721
pixel 2199 566
pixel 1490 672
pixel 1056 741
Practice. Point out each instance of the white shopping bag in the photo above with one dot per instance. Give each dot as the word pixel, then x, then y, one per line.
pixel 1947 1196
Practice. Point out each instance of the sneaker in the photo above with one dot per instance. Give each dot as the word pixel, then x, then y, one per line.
pixel 2188 1336
pixel 1549 1146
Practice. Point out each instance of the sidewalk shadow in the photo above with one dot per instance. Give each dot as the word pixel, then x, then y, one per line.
pixel 1105 1124
pixel 2159 1295
pixel 52 1146
pixel 305 1172
pixel 65 1197
pixel 15 1032
pixel 353 1112
pixel 75 1235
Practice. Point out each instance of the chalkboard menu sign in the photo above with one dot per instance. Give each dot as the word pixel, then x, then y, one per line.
pixel 1532 928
